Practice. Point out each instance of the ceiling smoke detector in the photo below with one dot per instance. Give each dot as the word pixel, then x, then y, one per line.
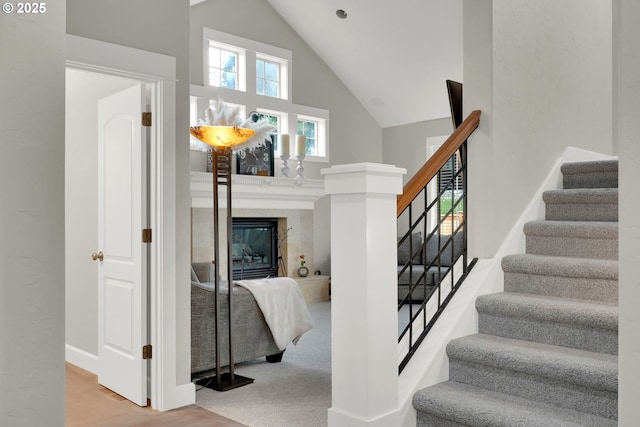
pixel 341 14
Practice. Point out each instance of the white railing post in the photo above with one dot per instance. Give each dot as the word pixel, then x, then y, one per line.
pixel 364 319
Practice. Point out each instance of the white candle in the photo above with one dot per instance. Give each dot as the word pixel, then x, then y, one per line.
pixel 301 145
pixel 285 147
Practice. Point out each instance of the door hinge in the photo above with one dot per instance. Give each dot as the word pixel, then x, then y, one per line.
pixel 146 119
pixel 146 351
pixel 146 235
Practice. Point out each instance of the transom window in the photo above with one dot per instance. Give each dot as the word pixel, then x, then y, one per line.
pixel 223 67
pixel 310 130
pixel 267 78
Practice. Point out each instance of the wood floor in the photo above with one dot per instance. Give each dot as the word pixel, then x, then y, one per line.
pixel 91 405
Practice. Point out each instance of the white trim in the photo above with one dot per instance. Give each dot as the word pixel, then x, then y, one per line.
pixel 108 58
pixel 283 74
pixel 248 44
pixel 241 65
pixel 81 358
pixel 159 71
pixel 258 192
pixel 322 133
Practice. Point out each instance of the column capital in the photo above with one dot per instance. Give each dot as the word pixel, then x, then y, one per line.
pixel 359 178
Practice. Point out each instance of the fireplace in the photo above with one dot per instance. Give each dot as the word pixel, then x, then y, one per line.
pixel 254 248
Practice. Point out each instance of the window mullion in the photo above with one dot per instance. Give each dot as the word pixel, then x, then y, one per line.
pixel 250 70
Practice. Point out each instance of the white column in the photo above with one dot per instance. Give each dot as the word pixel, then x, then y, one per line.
pixel 364 320
pixel 627 131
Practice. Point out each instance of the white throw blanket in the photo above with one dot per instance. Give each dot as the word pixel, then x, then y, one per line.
pixel 283 308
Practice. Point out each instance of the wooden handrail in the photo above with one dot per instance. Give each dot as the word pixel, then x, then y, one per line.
pixel 417 183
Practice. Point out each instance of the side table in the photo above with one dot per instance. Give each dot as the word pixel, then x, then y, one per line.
pixel 314 288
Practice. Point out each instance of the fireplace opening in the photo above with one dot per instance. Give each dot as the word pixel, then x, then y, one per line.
pixel 254 251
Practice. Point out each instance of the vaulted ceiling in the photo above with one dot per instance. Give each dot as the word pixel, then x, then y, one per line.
pixel 393 56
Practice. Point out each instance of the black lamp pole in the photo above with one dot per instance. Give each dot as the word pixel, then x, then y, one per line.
pixel 221 159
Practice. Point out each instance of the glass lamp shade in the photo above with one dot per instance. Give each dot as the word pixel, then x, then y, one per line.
pixel 222 136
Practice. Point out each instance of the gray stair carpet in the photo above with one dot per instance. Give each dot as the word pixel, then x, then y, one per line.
pixel 560 321
pixel 603 174
pixel 454 404
pixel 576 278
pixel 585 239
pixel 546 354
pixel 582 204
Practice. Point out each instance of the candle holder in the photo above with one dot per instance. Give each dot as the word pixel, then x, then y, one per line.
pixel 300 168
pixel 285 167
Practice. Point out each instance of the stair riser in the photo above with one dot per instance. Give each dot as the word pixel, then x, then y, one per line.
pixel 573 336
pixel 602 290
pixel 590 180
pixel 572 247
pixel 581 212
pixel 571 396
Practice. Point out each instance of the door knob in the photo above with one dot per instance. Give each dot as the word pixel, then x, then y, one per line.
pixel 97 256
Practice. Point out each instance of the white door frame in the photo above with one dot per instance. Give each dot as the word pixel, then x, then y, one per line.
pixel 159 72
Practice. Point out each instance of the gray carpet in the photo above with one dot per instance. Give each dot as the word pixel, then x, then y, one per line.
pixel 546 354
pixel 295 392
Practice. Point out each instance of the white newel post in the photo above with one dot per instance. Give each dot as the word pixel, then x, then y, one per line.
pixel 364 319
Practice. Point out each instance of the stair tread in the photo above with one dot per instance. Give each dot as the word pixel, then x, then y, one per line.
pixel 483 407
pixel 603 315
pixel 581 367
pixel 578 229
pixel 561 266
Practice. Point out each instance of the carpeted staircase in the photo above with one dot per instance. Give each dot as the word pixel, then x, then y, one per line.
pixel 546 354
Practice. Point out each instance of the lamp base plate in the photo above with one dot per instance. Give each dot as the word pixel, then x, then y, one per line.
pixel 226 382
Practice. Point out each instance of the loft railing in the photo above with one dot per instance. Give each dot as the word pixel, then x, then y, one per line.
pixel 432 247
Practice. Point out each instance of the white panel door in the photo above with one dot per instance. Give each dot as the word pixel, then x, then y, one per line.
pixel 122 213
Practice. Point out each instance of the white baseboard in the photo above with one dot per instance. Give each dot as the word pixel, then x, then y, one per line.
pixel 185 394
pixel 337 418
pixel 81 358
pixel 177 397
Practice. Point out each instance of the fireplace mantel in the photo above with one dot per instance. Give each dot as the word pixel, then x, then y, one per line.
pixel 258 192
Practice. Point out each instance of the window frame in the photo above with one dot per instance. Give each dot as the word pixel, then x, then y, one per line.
pixel 281 106
pixel 283 72
pixel 241 64
pixel 321 118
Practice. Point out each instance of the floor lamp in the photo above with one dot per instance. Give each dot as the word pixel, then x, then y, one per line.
pixel 222 139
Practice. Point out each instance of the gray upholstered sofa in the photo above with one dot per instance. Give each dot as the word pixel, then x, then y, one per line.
pixel 435 256
pixel 251 336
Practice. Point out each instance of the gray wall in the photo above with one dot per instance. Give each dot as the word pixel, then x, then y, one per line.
pixel 354 135
pixel 161 27
pixel 544 84
pixel 405 146
pixel 32 218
